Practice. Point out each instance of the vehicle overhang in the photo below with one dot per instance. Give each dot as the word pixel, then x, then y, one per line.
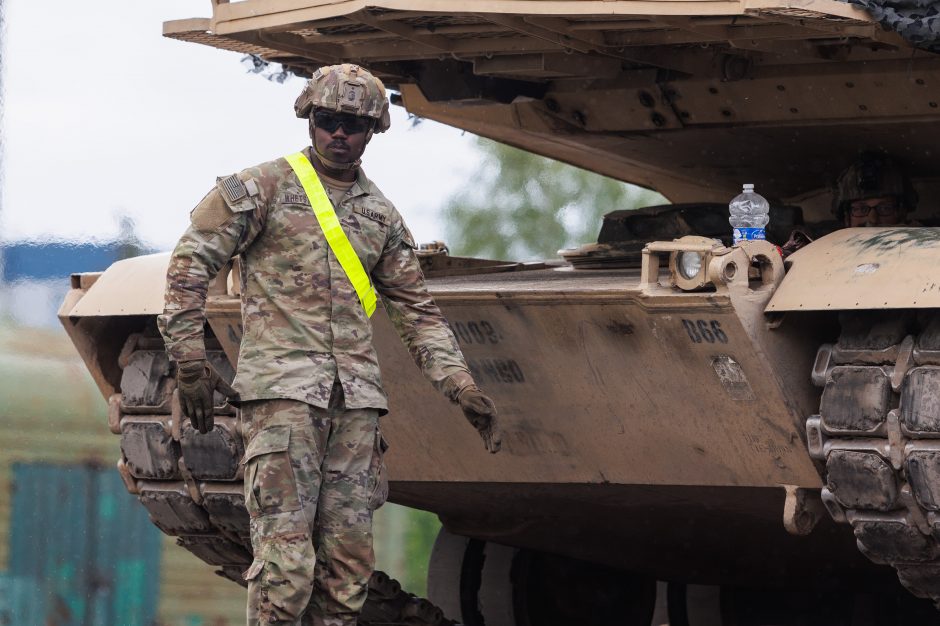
pixel 682 96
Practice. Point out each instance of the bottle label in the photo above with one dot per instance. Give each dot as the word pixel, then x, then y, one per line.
pixel 749 234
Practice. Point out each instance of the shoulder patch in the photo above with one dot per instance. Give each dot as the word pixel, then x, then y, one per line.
pixel 240 195
pixel 372 214
pixel 233 188
pixel 211 213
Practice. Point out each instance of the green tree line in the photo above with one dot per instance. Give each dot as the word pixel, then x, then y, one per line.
pixel 520 206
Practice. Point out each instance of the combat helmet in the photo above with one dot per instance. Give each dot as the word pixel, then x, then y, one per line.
pixel 345 88
pixel 873 175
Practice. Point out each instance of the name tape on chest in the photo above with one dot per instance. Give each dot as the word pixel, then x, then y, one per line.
pixel 372 214
pixel 295 198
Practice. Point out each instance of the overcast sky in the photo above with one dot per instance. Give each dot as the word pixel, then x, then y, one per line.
pixel 103 117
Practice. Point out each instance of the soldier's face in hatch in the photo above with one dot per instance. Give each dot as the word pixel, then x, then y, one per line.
pixel 883 211
pixel 340 137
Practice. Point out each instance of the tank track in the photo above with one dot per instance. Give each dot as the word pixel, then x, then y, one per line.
pixel 192 485
pixel 878 433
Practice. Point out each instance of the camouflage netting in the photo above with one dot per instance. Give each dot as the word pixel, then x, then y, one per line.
pixel 918 21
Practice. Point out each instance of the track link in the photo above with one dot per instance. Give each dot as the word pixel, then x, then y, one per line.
pixel 878 432
pixel 192 485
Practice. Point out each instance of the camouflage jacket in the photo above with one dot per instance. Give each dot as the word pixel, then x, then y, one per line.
pixel 303 324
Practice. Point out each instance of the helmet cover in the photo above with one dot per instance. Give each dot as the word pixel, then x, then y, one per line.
pixel 345 88
pixel 873 175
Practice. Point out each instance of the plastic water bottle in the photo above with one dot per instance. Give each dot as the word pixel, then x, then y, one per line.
pixel 750 213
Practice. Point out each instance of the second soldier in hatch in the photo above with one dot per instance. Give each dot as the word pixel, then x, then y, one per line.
pixel 875 190
pixel 316 240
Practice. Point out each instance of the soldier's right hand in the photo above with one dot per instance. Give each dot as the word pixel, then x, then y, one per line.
pixel 196 381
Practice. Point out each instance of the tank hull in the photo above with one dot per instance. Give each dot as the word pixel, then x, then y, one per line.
pixel 649 429
pixel 636 418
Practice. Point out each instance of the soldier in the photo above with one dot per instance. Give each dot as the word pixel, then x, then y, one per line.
pixel 314 236
pixel 874 191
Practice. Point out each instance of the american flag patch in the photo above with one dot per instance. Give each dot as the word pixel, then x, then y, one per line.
pixel 233 188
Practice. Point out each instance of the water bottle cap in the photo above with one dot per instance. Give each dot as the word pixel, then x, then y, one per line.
pixel 748 186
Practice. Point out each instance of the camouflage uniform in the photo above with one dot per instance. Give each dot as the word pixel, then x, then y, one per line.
pixel 307 375
pixel 316 476
pixel 303 323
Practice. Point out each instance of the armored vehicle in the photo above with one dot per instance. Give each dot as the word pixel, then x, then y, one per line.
pixel 695 433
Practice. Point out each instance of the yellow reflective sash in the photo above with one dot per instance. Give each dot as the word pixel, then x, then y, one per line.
pixel 339 243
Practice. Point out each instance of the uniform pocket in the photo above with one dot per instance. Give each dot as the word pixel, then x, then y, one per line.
pixel 379 470
pixel 270 486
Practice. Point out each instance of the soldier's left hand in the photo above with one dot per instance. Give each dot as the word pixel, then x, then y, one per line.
pixel 480 411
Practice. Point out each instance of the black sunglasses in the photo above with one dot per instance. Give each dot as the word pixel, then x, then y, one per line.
pixel 352 124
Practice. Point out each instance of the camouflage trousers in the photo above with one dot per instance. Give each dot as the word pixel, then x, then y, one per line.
pixel 313 477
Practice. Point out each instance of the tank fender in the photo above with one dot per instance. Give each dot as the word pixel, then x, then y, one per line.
pixel 132 286
pixel 890 267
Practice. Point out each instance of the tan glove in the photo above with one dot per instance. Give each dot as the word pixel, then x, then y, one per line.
pixel 481 412
pixel 196 382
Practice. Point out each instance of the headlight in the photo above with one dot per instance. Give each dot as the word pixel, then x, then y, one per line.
pixel 689 264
